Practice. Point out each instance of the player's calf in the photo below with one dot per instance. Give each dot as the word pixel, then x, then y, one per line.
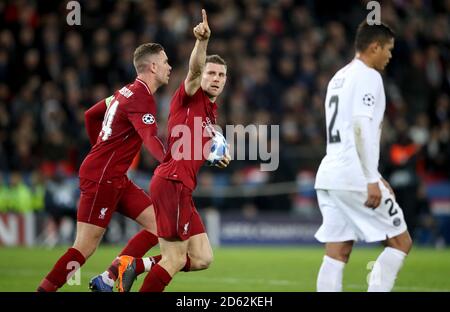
pixel 389 263
pixel 339 251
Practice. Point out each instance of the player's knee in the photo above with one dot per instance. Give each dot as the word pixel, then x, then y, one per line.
pixel 87 246
pixel 406 244
pixel 402 242
pixel 201 263
pixel 342 254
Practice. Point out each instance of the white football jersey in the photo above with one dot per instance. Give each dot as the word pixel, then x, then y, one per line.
pixel 355 90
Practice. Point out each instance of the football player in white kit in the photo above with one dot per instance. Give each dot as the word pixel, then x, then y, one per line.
pixel 355 201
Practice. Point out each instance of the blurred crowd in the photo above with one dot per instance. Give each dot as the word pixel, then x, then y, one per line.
pixel 280 56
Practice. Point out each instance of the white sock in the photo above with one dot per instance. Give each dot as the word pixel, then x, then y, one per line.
pixel 147 264
pixel 330 275
pixel 385 270
pixel 106 279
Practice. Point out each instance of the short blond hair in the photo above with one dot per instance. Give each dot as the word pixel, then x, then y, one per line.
pixel 142 52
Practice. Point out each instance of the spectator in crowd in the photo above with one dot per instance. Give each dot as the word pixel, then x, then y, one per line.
pixel 280 54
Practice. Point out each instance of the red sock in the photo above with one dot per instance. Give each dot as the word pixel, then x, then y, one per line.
pixel 139 244
pixel 113 269
pixel 136 247
pixel 156 280
pixel 61 272
pixel 156 259
pixel 140 268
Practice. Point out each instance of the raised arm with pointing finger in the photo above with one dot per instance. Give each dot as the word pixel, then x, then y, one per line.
pixel 198 56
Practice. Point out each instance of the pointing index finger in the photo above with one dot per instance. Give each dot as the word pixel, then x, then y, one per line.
pixel 205 18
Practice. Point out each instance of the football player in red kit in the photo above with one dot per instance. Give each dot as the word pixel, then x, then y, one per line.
pixel 129 122
pixel 182 238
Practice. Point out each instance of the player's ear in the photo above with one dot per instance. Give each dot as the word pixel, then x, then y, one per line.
pixel 374 47
pixel 152 67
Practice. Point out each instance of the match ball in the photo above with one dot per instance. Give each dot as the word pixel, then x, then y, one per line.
pixel 219 148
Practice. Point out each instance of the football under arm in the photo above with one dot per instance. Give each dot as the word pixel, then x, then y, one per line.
pixel 364 141
pixel 153 144
pixel 93 119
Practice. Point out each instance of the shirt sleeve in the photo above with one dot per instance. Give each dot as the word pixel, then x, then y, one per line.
pixel 142 114
pixel 93 119
pixel 367 94
pixel 153 144
pixel 184 98
pixel 365 146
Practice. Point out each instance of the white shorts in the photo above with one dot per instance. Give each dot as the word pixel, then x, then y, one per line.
pixel 346 218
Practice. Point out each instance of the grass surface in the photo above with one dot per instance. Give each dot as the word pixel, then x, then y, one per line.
pixel 283 269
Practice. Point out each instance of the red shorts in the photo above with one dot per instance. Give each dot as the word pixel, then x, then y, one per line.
pixel 176 215
pixel 98 201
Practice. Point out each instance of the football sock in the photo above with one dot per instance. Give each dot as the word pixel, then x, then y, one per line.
pixel 113 271
pixel 330 275
pixel 156 280
pixel 62 270
pixel 139 244
pixel 136 247
pixel 385 270
pixel 145 264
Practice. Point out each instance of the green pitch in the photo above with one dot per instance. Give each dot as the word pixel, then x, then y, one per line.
pixel 238 269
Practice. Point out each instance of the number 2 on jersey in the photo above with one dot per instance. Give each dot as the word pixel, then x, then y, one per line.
pixel 107 121
pixel 333 138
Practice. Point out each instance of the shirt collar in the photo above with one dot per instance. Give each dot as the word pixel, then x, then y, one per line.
pixel 144 84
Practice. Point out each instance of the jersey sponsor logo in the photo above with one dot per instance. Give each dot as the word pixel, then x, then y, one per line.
pixel 397 221
pixel 148 119
pixel 102 213
pixel 369 99
pixel 126 92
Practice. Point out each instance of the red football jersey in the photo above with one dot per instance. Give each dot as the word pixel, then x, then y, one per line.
pixel 132 108
pixel 198 113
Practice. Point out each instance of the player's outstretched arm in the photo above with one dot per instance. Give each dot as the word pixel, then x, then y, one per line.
pixel 198 56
